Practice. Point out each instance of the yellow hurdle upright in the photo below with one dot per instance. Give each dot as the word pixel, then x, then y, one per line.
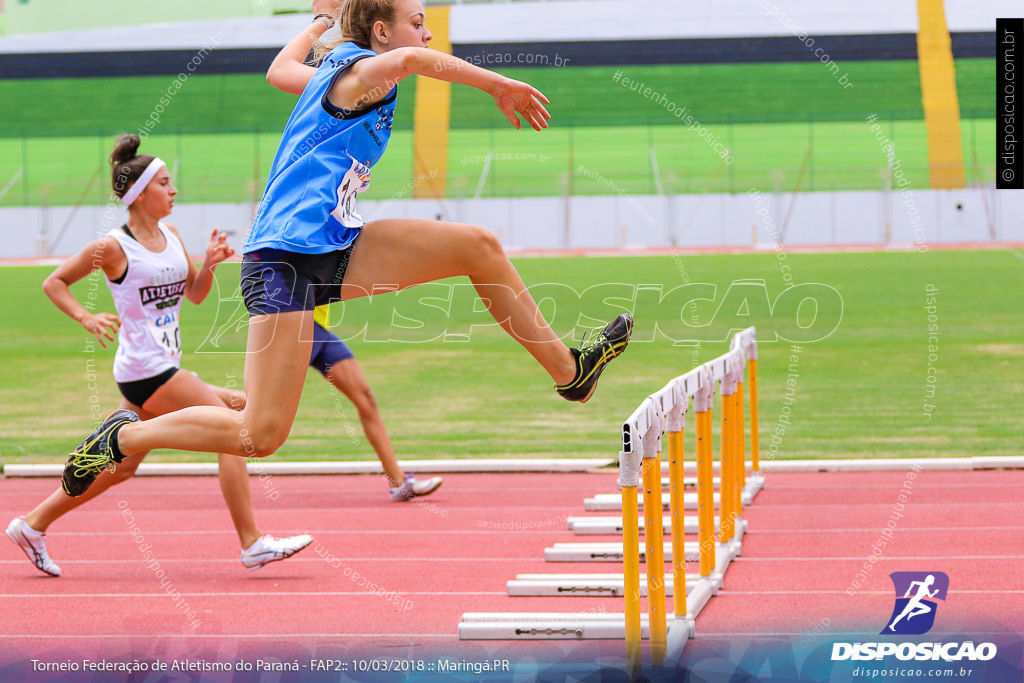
pixel 675 482
pixel 739 452
pixel 727 475
pixel 654 537
pixel 629 479
pixel 755 440
pixel 705 477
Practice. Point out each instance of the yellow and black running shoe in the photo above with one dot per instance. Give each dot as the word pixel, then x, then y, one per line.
pixel 592 358
pixel 95 454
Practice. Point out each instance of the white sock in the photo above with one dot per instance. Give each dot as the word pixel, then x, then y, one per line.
pixel 30 529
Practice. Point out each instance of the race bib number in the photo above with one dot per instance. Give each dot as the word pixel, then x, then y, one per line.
pixel 356 180
pixel 164 329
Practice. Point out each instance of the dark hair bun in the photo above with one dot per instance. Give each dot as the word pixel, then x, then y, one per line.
pixel 127 148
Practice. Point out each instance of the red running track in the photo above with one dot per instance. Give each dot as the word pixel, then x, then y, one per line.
pixel 392 579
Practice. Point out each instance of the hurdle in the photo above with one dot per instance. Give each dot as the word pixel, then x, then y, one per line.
pixel 660 417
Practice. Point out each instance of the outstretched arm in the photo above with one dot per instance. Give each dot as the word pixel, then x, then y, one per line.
pixel 289 71
pixel 103 253
pixel 371 79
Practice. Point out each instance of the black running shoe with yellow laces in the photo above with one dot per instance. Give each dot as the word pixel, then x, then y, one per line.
pixel 98 452
pixel 592 357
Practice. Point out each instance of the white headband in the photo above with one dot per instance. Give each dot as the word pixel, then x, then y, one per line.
pixel 133 193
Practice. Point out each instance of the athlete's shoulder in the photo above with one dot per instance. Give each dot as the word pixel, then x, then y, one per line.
pixel 109 243
pixel 344 55
pixel 103 252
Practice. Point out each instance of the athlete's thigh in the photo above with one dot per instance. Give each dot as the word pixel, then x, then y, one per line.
pixel 400 253
pixel 276 359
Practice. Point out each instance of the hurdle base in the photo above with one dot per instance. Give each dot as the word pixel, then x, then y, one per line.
pixel 754 484
pixel 547 626
pixel 604 526
pixel 679 634
pixel 612 502
pixel 584 585
pixel 611 552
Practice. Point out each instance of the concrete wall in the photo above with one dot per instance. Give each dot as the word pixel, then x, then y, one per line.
pixel 921 217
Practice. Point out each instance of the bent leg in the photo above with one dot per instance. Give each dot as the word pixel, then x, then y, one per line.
pixel 275 370
pixel 58 503
pixel 407 252
pixel 348 378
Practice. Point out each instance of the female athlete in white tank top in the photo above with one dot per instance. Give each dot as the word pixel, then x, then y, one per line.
pixel 148 272
pixel 147 297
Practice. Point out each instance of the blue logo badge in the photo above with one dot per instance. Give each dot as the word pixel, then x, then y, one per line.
pixel 916 592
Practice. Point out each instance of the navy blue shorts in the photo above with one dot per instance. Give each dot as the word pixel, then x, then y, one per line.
pixel 278 281
pixel 327 350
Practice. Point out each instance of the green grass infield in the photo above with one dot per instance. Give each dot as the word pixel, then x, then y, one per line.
pixel 869 355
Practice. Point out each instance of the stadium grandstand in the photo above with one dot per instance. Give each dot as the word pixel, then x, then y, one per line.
pixel 662 131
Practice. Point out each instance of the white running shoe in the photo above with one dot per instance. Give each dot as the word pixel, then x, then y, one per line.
pixel 33 543
pixel 268 549
pixel 413 487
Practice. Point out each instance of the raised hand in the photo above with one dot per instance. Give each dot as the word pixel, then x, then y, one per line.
pixel 332 7
pixel 515 97
pixel 218 248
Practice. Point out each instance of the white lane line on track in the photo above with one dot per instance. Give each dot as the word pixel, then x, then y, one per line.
pixel 885 503
pixel 805 634
pixel 373 532
pixel 358 532
pixel 882 486
pixel 221 594
pixel 968 527
pixel 889 592
pixel 220 636
pixel 327 532
pixel 894 558
pixel 294 560
pixel 830 488
pixel 161 594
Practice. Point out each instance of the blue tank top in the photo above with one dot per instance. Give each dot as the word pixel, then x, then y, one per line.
pixel 322 163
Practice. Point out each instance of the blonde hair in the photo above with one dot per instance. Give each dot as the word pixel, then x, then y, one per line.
pixel 356 22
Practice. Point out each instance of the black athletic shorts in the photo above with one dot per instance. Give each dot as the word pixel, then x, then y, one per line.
pixel 278 281
pixel 140 391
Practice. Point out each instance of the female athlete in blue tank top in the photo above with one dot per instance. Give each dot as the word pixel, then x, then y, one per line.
pixel 308 245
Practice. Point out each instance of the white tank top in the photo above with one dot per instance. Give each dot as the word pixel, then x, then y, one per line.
pixel 148 301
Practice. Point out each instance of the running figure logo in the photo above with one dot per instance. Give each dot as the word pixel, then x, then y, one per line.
pixel 914 612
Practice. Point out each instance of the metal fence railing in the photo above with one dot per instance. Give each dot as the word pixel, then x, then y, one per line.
pixel 572 160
